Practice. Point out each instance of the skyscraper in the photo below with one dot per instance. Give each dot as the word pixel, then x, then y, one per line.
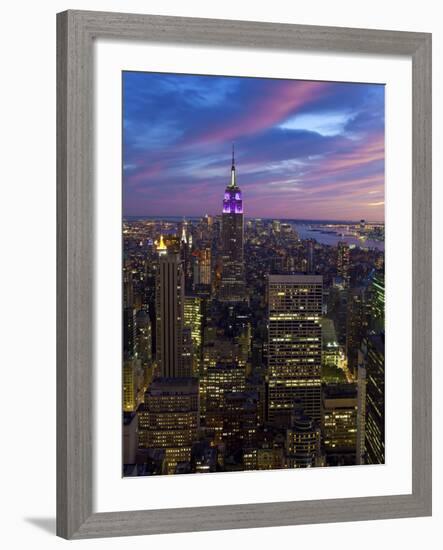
pixel 144 337
pixel 205 266
pixel 133 382
pixel 128 289
pixel 361 410
pixel 129 332
pixel 378 301
pixel 295 345
pixel 129 386
pixel 343 262
pixel 232 288
pixel 169 299
pixel 220 380
pixel 339 423
pixel 202 275
pixel 374 363
pixel 161 247
pixel 357 315
pixel 169 419
pixel 302 442
pixel 186 256
pixel 192 321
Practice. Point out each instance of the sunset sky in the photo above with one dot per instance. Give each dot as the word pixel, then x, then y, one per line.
pixel 306 150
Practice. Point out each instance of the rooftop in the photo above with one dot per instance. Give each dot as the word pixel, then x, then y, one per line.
pixel 293 279
pixel 174 385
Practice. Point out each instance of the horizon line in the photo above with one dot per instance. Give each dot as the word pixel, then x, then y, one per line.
pixel 254 218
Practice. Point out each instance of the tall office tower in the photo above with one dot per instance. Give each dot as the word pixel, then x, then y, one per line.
pixel 232 288
pixel 374 362
pixel 295 345
pixel 339 424
pixel 219 381
pixel 161 247
pixel 361 410
pixel 128 287
pixel 129 386
pixel 205 266
pixel 132 384
pixel 185 254
pixel 129 332
pixel 201 260
pixel 144 337
pixel 192 321
pixel 302 443
pixel 169 298
pixel 343 262
pixel 169 419
pixel 356 326
pixel 378 301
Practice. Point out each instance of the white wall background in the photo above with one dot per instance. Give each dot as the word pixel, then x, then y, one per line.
pixel 27 176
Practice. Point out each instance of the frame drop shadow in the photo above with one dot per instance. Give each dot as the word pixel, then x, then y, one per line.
pixel 45 524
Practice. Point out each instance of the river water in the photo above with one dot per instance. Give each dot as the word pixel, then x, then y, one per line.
pixel 305 232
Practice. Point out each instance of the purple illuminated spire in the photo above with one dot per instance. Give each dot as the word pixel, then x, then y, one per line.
pixel 233 184
pixel 232 201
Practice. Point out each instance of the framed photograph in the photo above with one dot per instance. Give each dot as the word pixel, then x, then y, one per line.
pixel 244 274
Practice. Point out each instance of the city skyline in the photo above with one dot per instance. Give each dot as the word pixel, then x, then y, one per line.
pixel 306 150
pixel 252 343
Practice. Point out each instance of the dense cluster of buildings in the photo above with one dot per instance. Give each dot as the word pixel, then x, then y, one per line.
pixel 247 348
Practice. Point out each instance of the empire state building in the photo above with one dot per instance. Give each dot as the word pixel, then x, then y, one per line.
pixel 232 288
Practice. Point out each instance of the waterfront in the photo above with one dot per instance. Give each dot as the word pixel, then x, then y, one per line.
pixel 306 231
pixel 324 232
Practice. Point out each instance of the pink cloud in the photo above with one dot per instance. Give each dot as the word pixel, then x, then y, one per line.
pixel 268 110
pixel 141 176
pixel 365 152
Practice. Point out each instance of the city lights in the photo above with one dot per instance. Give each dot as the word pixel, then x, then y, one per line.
pixel 248 347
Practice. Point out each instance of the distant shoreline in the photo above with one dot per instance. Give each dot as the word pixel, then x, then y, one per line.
pixel 289 220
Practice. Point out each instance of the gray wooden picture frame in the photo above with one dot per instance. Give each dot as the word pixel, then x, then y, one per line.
pixel 76 32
